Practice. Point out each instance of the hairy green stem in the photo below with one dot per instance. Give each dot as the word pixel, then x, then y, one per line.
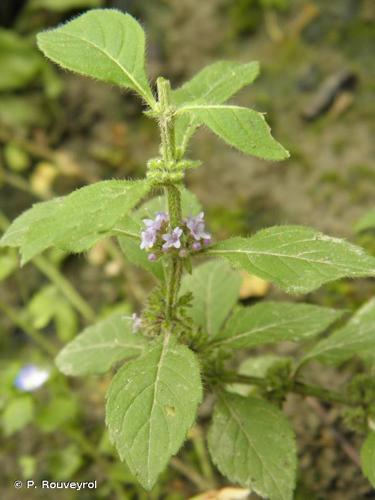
pixel 172 193
pixel 296 387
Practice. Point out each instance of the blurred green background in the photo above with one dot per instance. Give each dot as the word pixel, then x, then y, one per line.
pixel 59 132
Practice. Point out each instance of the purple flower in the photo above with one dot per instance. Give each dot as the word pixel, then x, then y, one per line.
pixel 152 257
pixel 148 238
pixel 172 239
pixel 160 219
pixel 30 378
pixel 197 227
pixel 196 246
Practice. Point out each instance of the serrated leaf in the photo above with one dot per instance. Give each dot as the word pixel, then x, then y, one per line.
pixel 296 258
pixel 355 338
pixel 252 444
pixel 74 222
pixel 242 128
pixel 213 85
pixel 368 458
pixel 104 44
pixel 215 287
pixel 101 345
pixel 366 222
pixel 151 404
pixel 271 322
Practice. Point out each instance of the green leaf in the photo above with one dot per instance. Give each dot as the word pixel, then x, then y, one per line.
pixel 20 62
pixel 243 128
pixel 99 346
pixel 74 222
pixel 271 322
pixel 104 44
pixel 216 83
pixel 252 444
pixel 296 258
pixel 151 404
pixel 368 458
pixel 367 221
pixel 213 85
pixel 355 338
pixel 215 287
pixel 17 414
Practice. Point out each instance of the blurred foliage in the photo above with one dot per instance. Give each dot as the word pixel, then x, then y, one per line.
pixel 58 133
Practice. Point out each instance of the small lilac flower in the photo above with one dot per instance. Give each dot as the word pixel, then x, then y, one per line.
pixel 152 257
pixel 183 253
pixel 31 377
pixel 148 238
pixel 137 322
pixel 207 241
pixel 160 219
pixel 172 239
pixel 196 246
pixel 197 227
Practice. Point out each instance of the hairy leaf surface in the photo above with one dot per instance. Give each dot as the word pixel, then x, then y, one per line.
pixel 213 85
pixel 271 322
pixel 355 338
pixel 99 346
pixel 74 222
pixel 252 444
pixel 215 287
pixel 242 128
pixel 151 404
pixel 104 44
pixel 296 258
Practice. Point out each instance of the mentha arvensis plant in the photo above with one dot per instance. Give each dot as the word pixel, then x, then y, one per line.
pixel 180 346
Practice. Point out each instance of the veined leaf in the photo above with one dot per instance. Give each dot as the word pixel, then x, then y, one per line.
pixel 243 128
pixel 368 458
pixel 99 346
pixel 355 338
pixel 215 287
pixel 104 44
pixel 213 85
pixel 151 404
pixel 296 258
pixel 252 443
pixel 74 222
pixel 366 222
pixel 271 322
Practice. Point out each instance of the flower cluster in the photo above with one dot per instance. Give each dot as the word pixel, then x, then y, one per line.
pixel 159 237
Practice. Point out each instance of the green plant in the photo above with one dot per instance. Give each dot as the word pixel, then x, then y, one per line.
pixel 191 327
